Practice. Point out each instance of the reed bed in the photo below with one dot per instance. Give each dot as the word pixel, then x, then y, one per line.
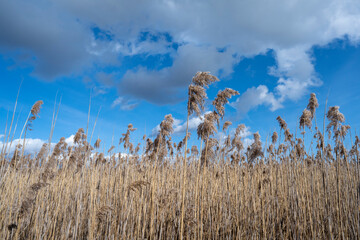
pixel 167 191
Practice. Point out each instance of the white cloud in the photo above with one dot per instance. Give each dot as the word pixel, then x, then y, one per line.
pixel 194 122
pixel 70 140
pixel 32 145
pixel 254 97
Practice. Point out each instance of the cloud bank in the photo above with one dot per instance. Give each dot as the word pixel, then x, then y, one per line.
pixel 62 38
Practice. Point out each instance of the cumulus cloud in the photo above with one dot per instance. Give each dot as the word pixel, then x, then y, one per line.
pixel 180 127
pixel 55 44
pixel 254 97
pixel 70 140
pixel 162 86
pixel 32 145
pixel 57 38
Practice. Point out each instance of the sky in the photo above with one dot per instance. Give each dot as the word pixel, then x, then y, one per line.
pixel 132 62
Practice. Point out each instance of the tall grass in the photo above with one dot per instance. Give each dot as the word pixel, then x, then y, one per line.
pixel 280 191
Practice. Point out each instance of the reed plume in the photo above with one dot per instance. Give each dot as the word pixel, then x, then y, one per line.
pixel 166 126
pixel 79 136
pixel 312 105
pixel 305 119
pixel 335 118
pixel 226 125
pixel 111 148
pixel 221 99
pixel 97 143
pixel 194 150
pixel 236 142
pixel 282 123
pixel 35 110
pixel 197 96
pixel 204 79
pixel 207 127
pixel 255 149
pixel 41 155
pixel 274 138
pixel 126 137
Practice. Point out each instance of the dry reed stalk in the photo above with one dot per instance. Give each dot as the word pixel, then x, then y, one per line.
pixel 53 121
pixel 33 114
pixel 6 137
pixel 264 207
pixel 196 98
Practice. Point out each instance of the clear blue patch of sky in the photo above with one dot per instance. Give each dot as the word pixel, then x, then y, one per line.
pixel 100 34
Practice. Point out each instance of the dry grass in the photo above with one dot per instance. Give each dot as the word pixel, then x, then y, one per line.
pixel 226 192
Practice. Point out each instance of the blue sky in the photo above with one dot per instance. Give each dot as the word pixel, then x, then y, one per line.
pixel 136 61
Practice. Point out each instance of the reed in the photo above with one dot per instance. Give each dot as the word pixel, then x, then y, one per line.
pixel 224 190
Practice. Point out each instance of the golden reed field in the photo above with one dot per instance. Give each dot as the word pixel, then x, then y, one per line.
pixel 158 189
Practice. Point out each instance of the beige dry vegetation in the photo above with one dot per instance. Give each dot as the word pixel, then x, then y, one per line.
pixel 275 190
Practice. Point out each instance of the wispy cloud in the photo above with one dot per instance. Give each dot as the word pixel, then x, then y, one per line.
pixel 124 104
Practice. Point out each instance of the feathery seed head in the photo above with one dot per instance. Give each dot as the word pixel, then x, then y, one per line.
pixel 97 143
pixel 240 128
pixel 226 125
pixel 112 148
pixel 222 98
pixel 343 130
pixel 282 123
pixel 274 137
pixel 305 119
pixel 196 101
pixel 313 104
pixel 207 127
pixel 79 135
pixel 166 126
pixel 204 79
pixel 35 110
pixel 335 117
pixel 194 150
